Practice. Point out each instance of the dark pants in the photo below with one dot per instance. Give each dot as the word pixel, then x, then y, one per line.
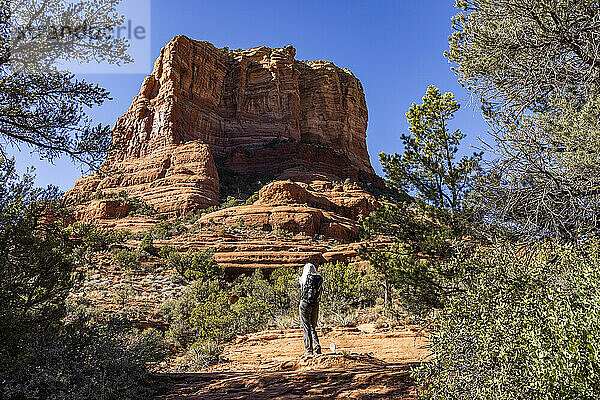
pixel 309 315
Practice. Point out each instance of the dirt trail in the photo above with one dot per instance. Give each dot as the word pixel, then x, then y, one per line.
pixel 367 364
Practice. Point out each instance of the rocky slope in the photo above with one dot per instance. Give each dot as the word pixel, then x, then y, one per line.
pixel 210 123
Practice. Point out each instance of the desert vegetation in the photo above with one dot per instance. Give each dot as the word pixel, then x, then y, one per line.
pixel 500 257
pixel 212 311
pixel 494 254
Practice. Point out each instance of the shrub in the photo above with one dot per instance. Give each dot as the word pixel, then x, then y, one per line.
pixel 527 326
pixel 177 313
pixel 147 244
pixel 286 290
pixel 280 291
pixel 167 229
pixel 348 286
pixel 241 186
pixel 48 350
pixel 165 251
pixel 138 206
pixel 128 259
pixel 219 317
pixel 249 315
pixel 89 357
pixel 212 318
pixel 252 199
pixel 284 322
pixel 348 319
pixel 203 354
pixel 95 238
pixel 213 310
pixel 194 265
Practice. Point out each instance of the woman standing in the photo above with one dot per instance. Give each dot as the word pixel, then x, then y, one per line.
pixel 311 284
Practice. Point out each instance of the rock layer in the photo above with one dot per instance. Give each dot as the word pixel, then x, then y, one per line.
pixel 170 178
pixel 251 114
pixel 248 111
pixel 316 208
pixel 245 98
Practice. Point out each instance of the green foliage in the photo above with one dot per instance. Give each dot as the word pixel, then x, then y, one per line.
pixel 209 311
pixel 347 287
pixel 523 322
pixel 212 311
pixel 194 265
pixel 165 251
pixel 241 186
pixel 491 41
pixel 419 262
pixel 90 356
pixel 45 108
pixel 128 259
pixel 203 354
pixel 425 233
pixel 412 228
pixel 544 117
pixel 230 202
pixel 167 229
pixel 252 199
pixel 212 317
pixel 285 294
pixel 218 318
pixel 138 206
pixel 428 164
pixel 526 327
pixel 147 244
pixel 95 238
pixel 36 264
pixel 92 239
pixel 279 292
pixel 46 350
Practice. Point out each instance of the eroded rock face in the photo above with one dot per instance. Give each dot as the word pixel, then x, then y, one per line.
pixel 317 207
pixel 249 111
pixel 245 98
pixel 170 178
pixel 256 112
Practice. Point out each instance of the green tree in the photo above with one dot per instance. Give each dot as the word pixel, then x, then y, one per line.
pixel 527 326
pixel 533 66
pixel 520 55
pixel 41 106
pixel 36 270
pixel 424 231
pixel 50 348
pixel 428 165
pixel 194 265
pixel 418 262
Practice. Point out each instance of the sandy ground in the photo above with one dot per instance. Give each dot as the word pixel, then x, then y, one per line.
pixel 364 364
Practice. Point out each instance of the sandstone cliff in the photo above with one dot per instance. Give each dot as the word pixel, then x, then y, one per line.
pixel 210 123
pixel 247 111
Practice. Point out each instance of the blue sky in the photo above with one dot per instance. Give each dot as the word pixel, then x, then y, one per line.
pixel 394 47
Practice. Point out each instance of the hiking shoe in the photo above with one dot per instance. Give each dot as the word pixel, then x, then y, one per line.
pixel 318 350
pixel 307 355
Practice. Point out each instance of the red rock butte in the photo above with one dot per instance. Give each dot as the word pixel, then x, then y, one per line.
pixel 207 120
pixel 248 111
